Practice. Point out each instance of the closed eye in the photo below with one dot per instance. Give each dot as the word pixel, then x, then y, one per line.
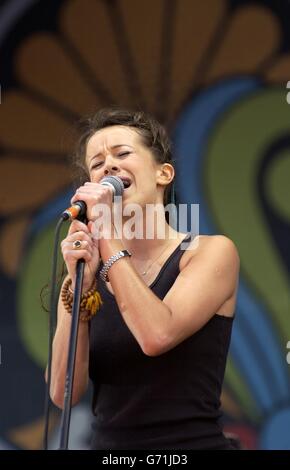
pixel 123 154
pixel 96 165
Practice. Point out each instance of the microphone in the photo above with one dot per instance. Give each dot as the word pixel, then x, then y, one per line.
pixel 79 208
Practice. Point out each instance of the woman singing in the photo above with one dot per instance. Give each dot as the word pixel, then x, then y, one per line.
pixel 156 319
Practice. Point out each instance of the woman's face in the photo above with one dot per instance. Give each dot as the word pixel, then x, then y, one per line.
pixel 119 151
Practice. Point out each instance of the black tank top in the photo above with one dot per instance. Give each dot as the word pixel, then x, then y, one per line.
pixel 171 401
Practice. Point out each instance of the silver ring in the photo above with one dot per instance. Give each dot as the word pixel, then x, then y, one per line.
pixel 77 244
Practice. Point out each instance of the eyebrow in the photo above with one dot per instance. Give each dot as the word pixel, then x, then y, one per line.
pixel 113 147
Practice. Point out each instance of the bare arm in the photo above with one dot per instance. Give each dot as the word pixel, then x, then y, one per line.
pixel 60 355
pixel 206 284
pixel 90 253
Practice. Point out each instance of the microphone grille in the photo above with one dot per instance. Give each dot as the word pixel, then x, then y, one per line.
pixel 115 182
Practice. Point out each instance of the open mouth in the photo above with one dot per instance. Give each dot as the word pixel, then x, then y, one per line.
pixel 127 183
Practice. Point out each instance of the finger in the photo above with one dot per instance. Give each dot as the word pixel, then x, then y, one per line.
pixel 80 196
pixel 93 190
pixel 88 190
pixel 75 255
pixel 93 228
pixel 79 235
pixel 77 225
pixel 80 192
pixel 90 183
pixel 70 245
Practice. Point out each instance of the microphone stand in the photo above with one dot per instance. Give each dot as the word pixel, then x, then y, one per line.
pixel 66 412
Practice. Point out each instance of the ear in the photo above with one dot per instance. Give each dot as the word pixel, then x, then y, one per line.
pixel 165 174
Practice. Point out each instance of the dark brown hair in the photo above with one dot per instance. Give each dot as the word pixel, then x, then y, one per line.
pixel 152 133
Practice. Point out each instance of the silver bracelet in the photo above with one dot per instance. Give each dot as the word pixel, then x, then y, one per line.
pixel 108 264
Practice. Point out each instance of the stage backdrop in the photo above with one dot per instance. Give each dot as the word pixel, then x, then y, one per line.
pixel 215 72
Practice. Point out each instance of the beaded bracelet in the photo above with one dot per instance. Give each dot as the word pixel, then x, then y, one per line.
pixel 90 300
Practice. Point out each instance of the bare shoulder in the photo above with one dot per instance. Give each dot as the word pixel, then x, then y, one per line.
pixel 206 285
pixel 215 248
pixel 219 243
pixel 213 262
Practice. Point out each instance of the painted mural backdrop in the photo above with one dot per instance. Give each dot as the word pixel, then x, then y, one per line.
pixel 215 72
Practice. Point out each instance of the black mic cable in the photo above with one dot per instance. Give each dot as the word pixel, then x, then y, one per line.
pixel 52 325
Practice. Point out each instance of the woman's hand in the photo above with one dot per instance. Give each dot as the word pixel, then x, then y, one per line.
pixel 94 194
pixel 89 251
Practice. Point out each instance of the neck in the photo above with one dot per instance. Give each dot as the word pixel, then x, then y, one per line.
pixel 153 236
pixel 145 237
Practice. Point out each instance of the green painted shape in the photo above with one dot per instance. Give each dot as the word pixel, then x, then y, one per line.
pixel 35 273
pixel 234 155
pixel 278 185
pixel 241 392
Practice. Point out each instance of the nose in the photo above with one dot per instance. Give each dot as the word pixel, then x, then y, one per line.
pixel 111 167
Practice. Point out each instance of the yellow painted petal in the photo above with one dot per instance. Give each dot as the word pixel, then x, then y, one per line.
pixel 279 71
pixel 55 74
pixel 11 243
pixel 30 436
pixel 253 35
pixel 88 27
pixel 143 23
pixel 25 185
pixel 28 124
pixel 194 29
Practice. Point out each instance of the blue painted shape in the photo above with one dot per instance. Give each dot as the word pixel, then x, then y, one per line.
pixel 190 141
pixel 275 434
pixel 50 212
